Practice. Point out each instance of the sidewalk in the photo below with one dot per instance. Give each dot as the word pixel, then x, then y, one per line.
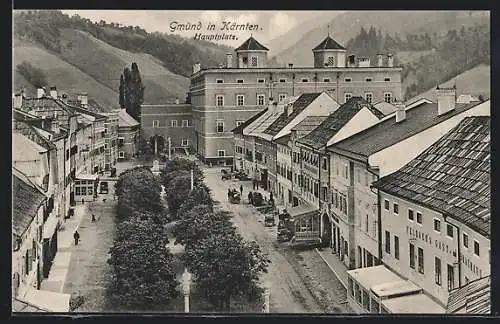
pixel 60 265
pixel 334 263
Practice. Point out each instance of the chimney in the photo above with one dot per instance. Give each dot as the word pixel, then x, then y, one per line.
pixel 390 60
pixel 176 101
pixel 229 60
pixel 290 65
pixel 400 111
pixel 18 100
pixel 446 99
pixel 55 125
pixel 53 92
pixel 84 100
pixel 351 61
pixel 289 109
pixel 364 62
pixel 196 67
pixel 380 60
pixel 271 101
pixel 40 93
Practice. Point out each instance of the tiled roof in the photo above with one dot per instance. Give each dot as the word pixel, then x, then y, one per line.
pixel 239 129
pixel 385 107
pixel 27 199
pixel 251 44
pixel 473 298
pixel 262 122
pixel 299 105
pixel 452 176
pixel 283 140
pixel 329 43
pixel 388 132
pixel 23 306
pixel 126 120
pixel 320 136
pixel 308 124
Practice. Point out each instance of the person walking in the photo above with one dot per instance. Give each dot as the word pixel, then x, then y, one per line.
pixel 76 236
pixel 250 196
pixel 241 190
pixel 93 218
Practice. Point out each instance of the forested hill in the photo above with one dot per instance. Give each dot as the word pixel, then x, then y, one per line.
pixel 176 53
pixel 436 58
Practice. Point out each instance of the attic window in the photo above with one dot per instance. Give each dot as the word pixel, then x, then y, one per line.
pixel 368 79
pixel 347 80
pixel 387 79
pixel 260 80
pixel 282 80
pixel 326 80
pixel 239 81
pixel 219 81
pixel 305 80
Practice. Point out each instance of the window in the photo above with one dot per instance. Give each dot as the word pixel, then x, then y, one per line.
pixel 476 247
pixel 260 100
pixel 240 100
pixel 437 271
pixel 219 81
pixel 412 256
pixel 420 260
pixel 282 80
pixel 324 166
pixel 358 293
pixel 437 225
pixel 387 79
pixel 369 97
pixel 347 96
pixel 121 155
pixel 419 217
pixel 386 204
pixel 387 242
pixel 239 81
pixel 451 277
pixel 350 286
pixel 219 100
pixel 368 79
pixel 185 123
pixel 331 60
pixel 347 80
pixel 326 80
pixel 388 97
pixel 156 123
pixel 305 80
pixel 396 247
pixel 281 96
pixel 260 80
pixel 185 142
pixel 254 60
pixel 366 223
pixel 120 141
pixel 449 230
pixel 395 208
pixel 173 123
pixel 466 240
pixel 239 122
pixel 220 126
pixel 221 153
pixel 410 214
pixel 189 123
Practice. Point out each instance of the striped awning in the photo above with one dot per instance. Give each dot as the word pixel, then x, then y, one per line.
pixel 473 298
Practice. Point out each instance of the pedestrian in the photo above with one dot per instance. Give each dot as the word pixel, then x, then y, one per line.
pixel 82 201
pixel 228 193
pixel 93 218
pixel 250 200
pixel 241 190
pixel 76 236
pixel 271 196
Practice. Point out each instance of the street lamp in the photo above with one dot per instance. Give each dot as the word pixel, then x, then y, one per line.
pixel 186 282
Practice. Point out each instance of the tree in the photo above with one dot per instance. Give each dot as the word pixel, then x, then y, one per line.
pixel 225 266
pixel 121 95
pixel 177 191
pixel 133 91
pixel 200 195
pixel 179 164
pixel 143 274
pixel 33 75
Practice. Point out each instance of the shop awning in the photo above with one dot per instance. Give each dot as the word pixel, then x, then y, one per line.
pixel 50 226
pixel 413 304
pixel 372 276
pixel 49 300
pixel 302 210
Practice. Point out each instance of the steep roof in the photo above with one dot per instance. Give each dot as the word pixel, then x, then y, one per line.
pixel 27 198
pixel 299 105
pixel 251 44
pixel 283 140
pixel 239 129
pixel 385 107
pixel 452 176
pixel 473 298
pixel 126 120
pixel 320 136
pixel 308 124
pixel 388 132
pixel 329 43
pixel 19 305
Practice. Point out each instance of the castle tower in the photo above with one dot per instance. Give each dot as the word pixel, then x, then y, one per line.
pixel 329 53
pixel 251 54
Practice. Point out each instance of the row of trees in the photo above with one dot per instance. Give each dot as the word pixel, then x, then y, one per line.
pixel 131 91
pixel 223 263
pixel 143 276
pixel 32 74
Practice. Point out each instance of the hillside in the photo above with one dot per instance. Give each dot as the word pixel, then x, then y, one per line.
pixel 105 63
pixel 475 82
pixel 347 25
pixel 60 73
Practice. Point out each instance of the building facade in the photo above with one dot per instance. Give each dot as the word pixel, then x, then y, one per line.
pixel 129 131
pixel 222 98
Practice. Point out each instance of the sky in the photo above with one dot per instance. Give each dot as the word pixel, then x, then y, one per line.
pixel 271 23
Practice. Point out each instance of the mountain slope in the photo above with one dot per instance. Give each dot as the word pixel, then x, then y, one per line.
pixel 475 82
pixel 105 63
pixel 61 74
pixel 347 25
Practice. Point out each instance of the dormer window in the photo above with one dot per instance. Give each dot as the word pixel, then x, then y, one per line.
pixel 282 80
pixel 347 80
pixel 239 81
pixel 305 80
pixel 245 60
pixel 326 80
pixel 260 80
pixel 219 81
pixel 368 79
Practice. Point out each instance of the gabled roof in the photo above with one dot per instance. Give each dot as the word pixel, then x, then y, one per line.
pixel 239 129
pixel 27 199
pixel 19 305
pixel 262 123
pixel 387 132
pixel 329 43
pixel 320 136
pixel 283 140
pixel 299 105
pixel 473 298
pixel 385 107
pixel 308 124
pixel 126 120
pixel 251 44
pixel 452 176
